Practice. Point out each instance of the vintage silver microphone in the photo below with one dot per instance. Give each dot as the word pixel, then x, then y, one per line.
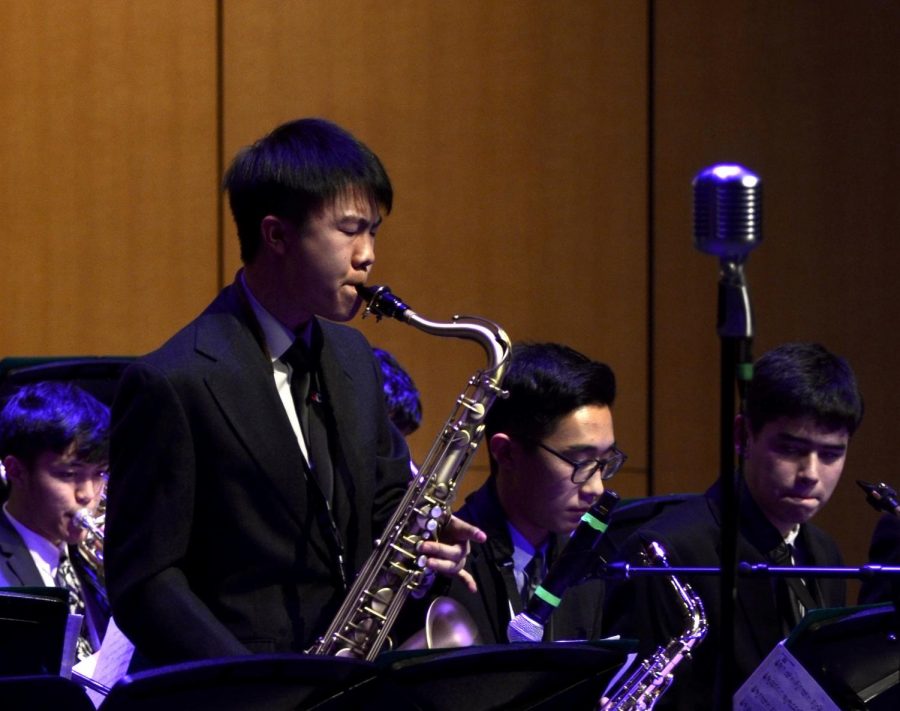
pixel 728 225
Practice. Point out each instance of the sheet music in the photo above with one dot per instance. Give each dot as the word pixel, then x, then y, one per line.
pixel 781 683
pixel 109 664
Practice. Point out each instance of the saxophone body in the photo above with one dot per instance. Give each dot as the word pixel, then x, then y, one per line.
pixel 655 674
pixel 395 569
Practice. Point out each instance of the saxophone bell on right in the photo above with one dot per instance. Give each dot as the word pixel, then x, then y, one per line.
pixel 654 675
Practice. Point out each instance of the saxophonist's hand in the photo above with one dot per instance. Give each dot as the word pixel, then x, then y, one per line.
pixel 447 556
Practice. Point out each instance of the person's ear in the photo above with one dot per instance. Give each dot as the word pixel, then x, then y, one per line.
pixel 15 469
pixel 500 447
pixel 273 232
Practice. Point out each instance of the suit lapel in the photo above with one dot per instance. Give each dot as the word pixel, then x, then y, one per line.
pixel 492 561
pixel 752 592
pixel 338 387
pixel 241 383
pixel 17 567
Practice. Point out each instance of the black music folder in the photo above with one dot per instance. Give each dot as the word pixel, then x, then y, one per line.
pixel 32 630
pixel 853 653
pixel 534 676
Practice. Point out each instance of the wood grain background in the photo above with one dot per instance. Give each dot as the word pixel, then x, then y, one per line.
pixel 542 156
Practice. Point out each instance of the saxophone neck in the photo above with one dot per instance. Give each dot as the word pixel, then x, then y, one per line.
pixel 380 301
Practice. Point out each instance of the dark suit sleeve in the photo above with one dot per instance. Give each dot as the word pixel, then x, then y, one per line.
pixel 884 549
pixel 151 499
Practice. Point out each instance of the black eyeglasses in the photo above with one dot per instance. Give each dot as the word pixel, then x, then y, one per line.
pixel 582 471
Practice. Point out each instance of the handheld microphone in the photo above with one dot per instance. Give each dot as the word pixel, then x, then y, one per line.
pixel 573 563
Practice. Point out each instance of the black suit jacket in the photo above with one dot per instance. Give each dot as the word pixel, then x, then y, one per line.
pixel 214 542
pixel 647 608
pixel 17 568
pixel 490 563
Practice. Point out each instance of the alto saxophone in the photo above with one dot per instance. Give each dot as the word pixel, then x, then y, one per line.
pixel 654 675
pixel 396 568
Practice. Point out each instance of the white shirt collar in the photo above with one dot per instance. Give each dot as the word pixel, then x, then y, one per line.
pixel 792 535
pixel 278 336
pixel 523 551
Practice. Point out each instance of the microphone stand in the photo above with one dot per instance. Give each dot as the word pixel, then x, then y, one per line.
pixel 735 329
pixel 727 224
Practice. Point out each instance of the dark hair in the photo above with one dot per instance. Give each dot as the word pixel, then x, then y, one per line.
pixel 51 416
pixel 545 382
pixel 293 171
pixel 804 380
pixel 400 393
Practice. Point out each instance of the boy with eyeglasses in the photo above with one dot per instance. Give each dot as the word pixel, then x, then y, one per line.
pixel 551 445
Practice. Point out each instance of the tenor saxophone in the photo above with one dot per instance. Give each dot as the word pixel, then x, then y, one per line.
pixel 654 675
pixel 395 569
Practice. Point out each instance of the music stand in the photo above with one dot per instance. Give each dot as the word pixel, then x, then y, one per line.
pixel 503 676
pixel 263 681
pixel 27 693
pixel 98 375
pixel 853 653
pixel 32 630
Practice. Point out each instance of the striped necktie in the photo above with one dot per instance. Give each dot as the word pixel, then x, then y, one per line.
pixel 66 578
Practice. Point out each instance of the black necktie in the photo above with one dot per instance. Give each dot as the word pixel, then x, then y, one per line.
pixel 785 596
pixel 309 404
pixel 66 578
pixel 534 574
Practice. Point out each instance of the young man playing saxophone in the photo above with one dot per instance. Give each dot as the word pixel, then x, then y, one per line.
pixel 241 504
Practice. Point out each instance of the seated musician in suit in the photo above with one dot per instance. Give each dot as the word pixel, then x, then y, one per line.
pixel 400 393
pixel 551 446
pixel 54 444
pixel 802 407
pixel 401 397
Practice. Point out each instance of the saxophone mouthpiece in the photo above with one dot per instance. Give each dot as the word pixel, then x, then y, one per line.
pixel 381 302
pixel 881 497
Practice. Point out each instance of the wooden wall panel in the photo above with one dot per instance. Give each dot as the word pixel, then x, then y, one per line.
pixel 515 134
pixel 108 178
pixel 805 94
